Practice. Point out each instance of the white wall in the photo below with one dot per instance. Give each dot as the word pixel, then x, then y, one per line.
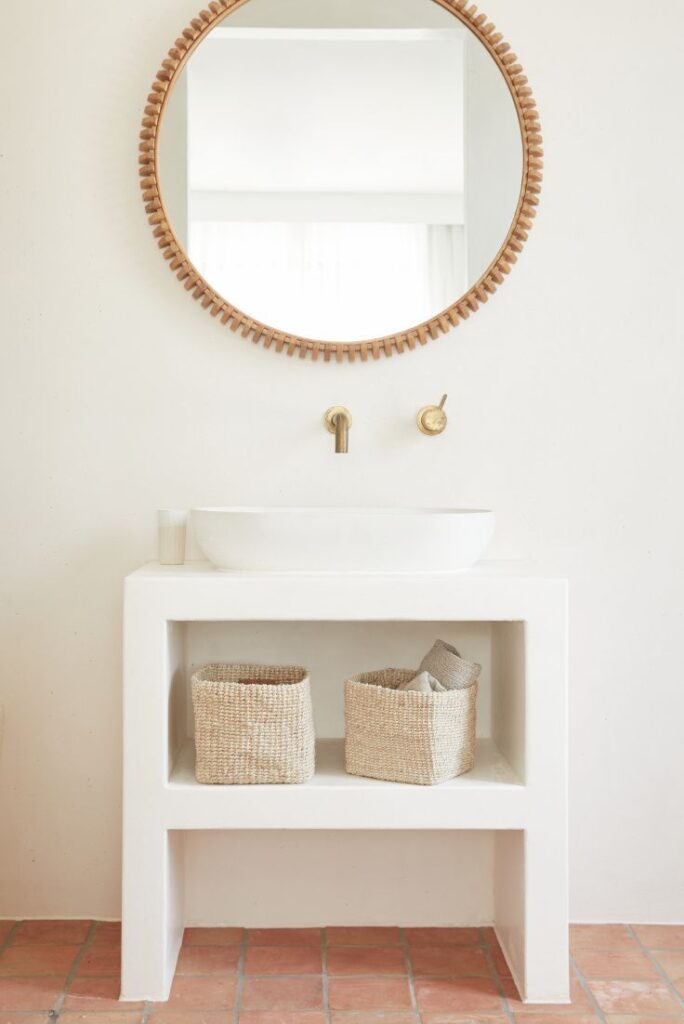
pixel 119 396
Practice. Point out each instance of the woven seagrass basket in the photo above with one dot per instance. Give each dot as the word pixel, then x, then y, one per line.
pixel 405 736
pixel 253 724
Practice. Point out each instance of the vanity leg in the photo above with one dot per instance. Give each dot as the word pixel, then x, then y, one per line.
pixel 547 972
pixel 531 908
pixel 153 877
pixel 152 915
pixel 531 865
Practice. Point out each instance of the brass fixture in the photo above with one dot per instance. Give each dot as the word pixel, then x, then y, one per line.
pixel 338 421
pixel 432 419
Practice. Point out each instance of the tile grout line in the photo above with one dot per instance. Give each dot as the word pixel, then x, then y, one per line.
pixel 392 976
pixel 325 977
pixel 409 972
pixel 54 1013
pixel 312 974
pixel 496 977
pixel 661 971
pixel 237 1008
pixel 598 1012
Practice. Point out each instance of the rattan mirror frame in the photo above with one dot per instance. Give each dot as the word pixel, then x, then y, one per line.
pixel 413 337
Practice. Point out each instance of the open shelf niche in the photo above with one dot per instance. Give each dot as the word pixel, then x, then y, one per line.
pixel 333 651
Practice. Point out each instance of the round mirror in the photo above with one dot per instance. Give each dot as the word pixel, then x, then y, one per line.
pixel 341 175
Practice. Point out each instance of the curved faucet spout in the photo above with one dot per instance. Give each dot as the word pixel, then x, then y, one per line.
pixel 341 434
pixel 338 421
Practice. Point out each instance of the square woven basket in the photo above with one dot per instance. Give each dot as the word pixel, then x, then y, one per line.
pixel 405 736
pixel 253 724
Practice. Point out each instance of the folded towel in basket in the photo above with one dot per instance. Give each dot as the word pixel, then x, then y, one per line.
pixel 423 683
pixel 446 665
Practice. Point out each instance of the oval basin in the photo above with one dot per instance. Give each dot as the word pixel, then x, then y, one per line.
pixel 342 539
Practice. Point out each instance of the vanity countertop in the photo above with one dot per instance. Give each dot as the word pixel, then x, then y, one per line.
pixel 508 569
pixel 512 591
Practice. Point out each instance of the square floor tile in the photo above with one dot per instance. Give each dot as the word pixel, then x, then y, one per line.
pixel 453 961
pixel 464 1018
pixel 282 1017
pixel 369 1017
pixel 28 1018
pixel 283 960
pixel 638 1019
pixel 60 933
pixel 100 962
pixel 458 995
pixel 302 993
pixel 109 1017
pixel 672 963
pixel 369 994
pixel 284 937
pixel 556 1018
pixel 442 936
pixel 36 959
pixel 212 936
pixel 656 936
pixel 5 928
pixel 366 960
pixel 107 933
pixel 629 997
pixel 208 960
pixel 601 936
pixel 627 965
pixel 341 936
pixel 161 1016
pixel 31 994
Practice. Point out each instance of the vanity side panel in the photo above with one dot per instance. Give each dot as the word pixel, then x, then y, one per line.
pixel 508 692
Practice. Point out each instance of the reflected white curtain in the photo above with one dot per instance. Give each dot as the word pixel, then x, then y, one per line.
pixel 332 280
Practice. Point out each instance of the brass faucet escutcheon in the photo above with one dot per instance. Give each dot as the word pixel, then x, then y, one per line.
pixel 432 419
pixel 338 421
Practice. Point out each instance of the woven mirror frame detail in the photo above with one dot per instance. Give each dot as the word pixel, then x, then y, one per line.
pixel 469 303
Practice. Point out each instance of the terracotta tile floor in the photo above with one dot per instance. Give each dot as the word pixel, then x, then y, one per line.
pixel 69 971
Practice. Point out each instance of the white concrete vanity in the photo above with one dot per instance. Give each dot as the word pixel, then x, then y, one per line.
pixel 518 787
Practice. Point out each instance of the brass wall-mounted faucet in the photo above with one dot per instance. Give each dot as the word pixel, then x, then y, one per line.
pixel 338 421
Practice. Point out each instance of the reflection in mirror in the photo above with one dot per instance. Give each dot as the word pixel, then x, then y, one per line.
pixel 341 170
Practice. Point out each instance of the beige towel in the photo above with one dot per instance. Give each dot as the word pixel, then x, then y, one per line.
pixel 449 668
pixel 423 683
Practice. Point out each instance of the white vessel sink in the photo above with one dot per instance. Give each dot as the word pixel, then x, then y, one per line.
pixel 342 539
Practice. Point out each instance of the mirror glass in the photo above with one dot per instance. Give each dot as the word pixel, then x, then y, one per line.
pixel 341 169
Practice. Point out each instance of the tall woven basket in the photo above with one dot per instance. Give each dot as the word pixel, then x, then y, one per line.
pixel 253 724
pixel 405 736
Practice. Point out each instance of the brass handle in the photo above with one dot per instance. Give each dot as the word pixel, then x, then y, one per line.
pixel 432 419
